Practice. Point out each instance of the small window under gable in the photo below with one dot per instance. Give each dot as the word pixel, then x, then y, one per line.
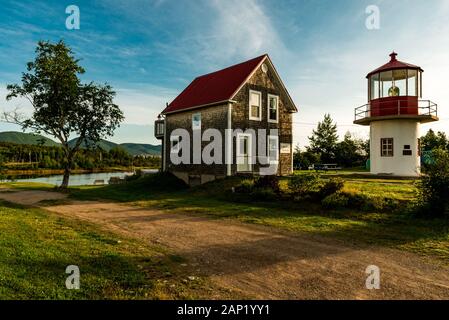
pixel 196 121
pixel 273 108
pixel 255 105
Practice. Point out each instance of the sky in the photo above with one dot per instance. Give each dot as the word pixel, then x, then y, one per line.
pixel 150 50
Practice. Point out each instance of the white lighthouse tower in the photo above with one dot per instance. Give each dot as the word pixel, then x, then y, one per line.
pixel 394 113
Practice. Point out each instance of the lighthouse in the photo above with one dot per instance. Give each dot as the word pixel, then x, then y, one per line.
pixel 394 112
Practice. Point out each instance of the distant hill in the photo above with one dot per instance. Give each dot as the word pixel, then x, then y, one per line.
pixel 35 139
pixel 141 148
pixel 103 144
pixel 26 138
pixel 132 148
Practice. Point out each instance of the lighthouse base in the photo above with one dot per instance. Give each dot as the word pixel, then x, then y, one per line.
pixel 394 148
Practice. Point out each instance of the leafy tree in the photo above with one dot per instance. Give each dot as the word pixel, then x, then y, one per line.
pixel 324 139
pixel 304 159
pixel 350 152
pixel 433 141
pixel 62 105
pixel 433 187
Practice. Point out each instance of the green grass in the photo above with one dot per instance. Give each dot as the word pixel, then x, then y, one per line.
pixel 394 229
pixel 37 246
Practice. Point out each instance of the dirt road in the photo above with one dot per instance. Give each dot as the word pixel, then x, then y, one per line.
pixel 262 262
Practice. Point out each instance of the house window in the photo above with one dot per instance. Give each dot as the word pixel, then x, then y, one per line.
pixel 255 105
pixel 386 147
pixel 196 121
pixel 174 144
pixel 273 108
pixel 273 149
pixel 159 128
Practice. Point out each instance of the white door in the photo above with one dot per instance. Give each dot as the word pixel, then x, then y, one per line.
pixel 244 153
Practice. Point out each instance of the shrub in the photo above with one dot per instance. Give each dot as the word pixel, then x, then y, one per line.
pixel 303 184
pixel 268 182
pixel 331 186
pixel 433 188
pixel 246 186
pixel 364 202
pixel 264 194
pixel 335 201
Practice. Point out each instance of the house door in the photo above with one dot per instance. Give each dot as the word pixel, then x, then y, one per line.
pixel 244 153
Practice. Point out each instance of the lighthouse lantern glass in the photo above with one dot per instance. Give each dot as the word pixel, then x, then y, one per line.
pixel 399 85
pixel 374 87
pixel 386 80
pixel 412 83
pixel 393 83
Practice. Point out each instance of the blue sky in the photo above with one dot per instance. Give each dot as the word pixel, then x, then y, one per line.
pixel 150 50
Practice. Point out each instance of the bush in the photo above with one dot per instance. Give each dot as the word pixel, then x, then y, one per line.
pixel 331 187
pixel 268 182
pixel 264 194
pixel 303 184
pixel 137 174
pixel 367 203
pixel 433 188
pixel 335 201
pixel 246 187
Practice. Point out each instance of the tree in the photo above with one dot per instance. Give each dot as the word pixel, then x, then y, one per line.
pixel 324 139
pixel 350 152
pixel 62 105
pixel 304 159
pixel 433 187
pixel 433 141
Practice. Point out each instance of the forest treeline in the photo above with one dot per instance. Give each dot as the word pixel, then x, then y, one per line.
pixel 25 157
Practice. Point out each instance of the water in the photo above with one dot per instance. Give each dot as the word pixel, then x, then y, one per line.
pixel 77 179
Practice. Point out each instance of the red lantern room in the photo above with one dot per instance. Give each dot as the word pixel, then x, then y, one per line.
pixel 394 91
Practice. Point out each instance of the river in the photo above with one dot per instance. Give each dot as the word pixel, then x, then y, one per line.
pixel 79 179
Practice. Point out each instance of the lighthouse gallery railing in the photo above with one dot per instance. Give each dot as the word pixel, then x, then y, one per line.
pixel 402 107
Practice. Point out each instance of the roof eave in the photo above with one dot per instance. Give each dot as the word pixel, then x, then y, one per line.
pixel 199 106
pixel 266 57
pixel 393 68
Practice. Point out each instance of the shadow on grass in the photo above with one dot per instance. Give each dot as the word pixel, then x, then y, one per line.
pixel 397 229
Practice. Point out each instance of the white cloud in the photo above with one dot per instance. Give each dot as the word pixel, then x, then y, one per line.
pixel 242 29
pixel 334 80
pixel 142 104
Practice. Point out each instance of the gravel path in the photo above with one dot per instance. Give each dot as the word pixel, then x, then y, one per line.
pixel 262 262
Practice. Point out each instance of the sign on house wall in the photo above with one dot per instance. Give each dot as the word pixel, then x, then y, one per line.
pixel 285 147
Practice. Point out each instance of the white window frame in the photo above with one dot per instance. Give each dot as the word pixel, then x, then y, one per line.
pixel 251 92
pixel 277 108
pixel 175 149
pixel 276 139
pixel 385 152
pixel 239 155
pixel 198 126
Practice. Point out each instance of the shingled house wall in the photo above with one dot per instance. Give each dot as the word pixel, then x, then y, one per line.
pixel 266 83
pixel 216 117
pixel 211 117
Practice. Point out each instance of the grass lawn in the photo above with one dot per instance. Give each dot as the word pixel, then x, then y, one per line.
pixel 37 246
pixel 394 229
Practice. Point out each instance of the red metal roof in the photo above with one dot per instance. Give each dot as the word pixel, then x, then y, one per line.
pixel 394 64
pixel 214 87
